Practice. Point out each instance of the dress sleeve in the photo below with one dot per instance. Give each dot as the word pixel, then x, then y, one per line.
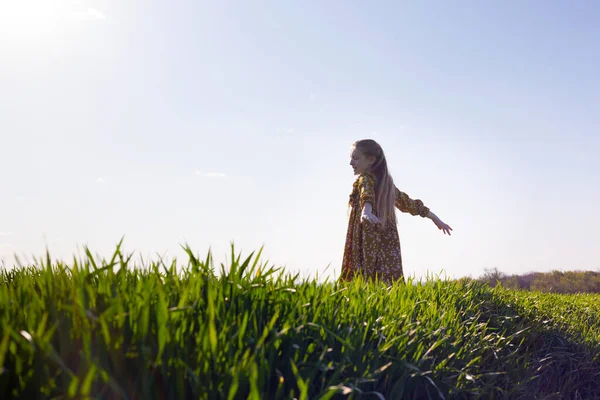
pixel 366 190
pixel 414 207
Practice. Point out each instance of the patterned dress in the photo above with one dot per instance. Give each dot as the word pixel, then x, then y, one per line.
pixel 369 250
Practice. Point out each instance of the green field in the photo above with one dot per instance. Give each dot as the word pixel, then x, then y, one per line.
pixel 108 329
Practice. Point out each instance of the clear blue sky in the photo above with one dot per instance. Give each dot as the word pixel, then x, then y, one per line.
pixel 210 122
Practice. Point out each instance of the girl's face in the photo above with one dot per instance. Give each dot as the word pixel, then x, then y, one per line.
pixel 359 162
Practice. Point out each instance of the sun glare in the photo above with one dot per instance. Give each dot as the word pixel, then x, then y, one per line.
pixel 28 19
pixel 39 19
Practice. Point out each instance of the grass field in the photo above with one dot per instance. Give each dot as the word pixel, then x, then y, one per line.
pixel 112 330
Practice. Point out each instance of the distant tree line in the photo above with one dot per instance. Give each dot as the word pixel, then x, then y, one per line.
pixel 554 282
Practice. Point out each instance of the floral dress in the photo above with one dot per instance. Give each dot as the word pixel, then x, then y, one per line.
pixel 369 250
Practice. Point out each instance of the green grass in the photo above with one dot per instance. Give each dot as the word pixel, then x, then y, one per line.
pixel 108 329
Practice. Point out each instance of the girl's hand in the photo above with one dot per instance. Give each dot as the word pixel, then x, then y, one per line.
pixel 442 226
pixel 367 216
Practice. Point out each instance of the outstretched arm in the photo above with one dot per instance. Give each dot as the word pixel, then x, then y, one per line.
pixel 439 223
pixel 407 205
pixel 416 207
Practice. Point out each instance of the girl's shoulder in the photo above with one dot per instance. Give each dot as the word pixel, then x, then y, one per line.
pixel 365 177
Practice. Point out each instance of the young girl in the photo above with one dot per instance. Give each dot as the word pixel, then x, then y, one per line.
pixel 372 243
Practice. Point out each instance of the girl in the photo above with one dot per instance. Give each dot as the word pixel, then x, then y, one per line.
pixel 372 243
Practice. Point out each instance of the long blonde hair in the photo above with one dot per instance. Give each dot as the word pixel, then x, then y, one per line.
pixel 385 190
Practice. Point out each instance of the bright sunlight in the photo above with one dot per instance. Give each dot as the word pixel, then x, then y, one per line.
pixel 39 19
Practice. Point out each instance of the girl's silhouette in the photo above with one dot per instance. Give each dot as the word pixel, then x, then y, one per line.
pixel 372 242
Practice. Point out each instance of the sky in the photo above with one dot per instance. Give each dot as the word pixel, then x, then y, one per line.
pixel 210 123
